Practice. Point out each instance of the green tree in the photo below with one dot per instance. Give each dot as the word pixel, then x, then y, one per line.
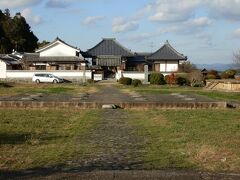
pixel 16 34
pixel 5 45
pixel 22 36
pixel 43 43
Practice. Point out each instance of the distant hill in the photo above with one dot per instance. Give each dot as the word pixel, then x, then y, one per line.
pixel 218 67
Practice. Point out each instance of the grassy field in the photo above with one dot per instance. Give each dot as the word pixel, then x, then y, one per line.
pixel 42 138
pixel 182 139
pixel 196 139
pixel 20 88
pixel 185 90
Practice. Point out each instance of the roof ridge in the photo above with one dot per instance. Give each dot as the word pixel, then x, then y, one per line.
pixel 109 38
pixel 169 45
pixel 118 43
pixel 55 40
pixel 113 40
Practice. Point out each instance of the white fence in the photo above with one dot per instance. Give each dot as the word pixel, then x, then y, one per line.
pixel 21 74
pixel 130 74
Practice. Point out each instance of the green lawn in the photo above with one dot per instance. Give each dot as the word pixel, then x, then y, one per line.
pixel 42 138
pixel 184 139
pixel 185 90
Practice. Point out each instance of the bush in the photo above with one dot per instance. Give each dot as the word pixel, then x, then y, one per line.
pixel 125 81
pixel 181 81
pixel 90 81
pixel 213 74
pixel 157 78
pixel 196 78
pixel 170 79
pixel 136 82
pixel 229 74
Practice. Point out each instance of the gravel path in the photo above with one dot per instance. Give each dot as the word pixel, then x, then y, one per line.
pixel 117 148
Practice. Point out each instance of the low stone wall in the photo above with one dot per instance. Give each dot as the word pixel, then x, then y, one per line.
pixel 96 105
pixel 224 84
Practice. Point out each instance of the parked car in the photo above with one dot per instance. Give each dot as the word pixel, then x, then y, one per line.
pixel 237 76
pixel 38 78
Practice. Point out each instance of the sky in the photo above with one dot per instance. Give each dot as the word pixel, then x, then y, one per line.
pixel 207 31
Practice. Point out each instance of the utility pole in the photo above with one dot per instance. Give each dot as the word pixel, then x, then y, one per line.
pixel 151 46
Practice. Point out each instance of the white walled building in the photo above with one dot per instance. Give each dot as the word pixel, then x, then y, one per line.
pixel 166 60
pixel 57 55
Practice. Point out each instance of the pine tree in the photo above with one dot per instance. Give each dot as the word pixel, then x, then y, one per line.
pixel 15 33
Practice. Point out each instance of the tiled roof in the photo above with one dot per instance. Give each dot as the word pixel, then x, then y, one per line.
pixel 10 59
pixel 35 57
pixel 167 52
pixel 109 46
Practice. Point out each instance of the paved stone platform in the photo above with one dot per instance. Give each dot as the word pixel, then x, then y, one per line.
pixel 111 95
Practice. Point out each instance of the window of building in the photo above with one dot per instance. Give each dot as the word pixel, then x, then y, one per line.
pixel 40 67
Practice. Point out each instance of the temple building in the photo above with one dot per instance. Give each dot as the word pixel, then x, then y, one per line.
pixel 110 56
pixel 166 59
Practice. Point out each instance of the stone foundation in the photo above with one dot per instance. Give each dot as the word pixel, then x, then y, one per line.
pixel 225 85
pixel 96 105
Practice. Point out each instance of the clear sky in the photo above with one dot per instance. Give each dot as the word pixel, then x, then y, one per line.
pixel 207 31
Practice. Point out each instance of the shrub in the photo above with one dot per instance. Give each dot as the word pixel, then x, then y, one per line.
pixel 170 79
pixel 125 81
pixel 166 78
pixel 181 81
pixel 229 74
pixel 136 82
pixel 213 74
pixel 157 78
pixel 90 81
pixel 196 78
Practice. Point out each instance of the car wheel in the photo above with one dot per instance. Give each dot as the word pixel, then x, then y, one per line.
pixel 55 81
pixel 37 81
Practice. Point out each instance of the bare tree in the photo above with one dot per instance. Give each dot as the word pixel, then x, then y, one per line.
pixel 186 67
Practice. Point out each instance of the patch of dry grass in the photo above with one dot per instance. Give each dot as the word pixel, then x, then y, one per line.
pixel 22 88
pixel 190 139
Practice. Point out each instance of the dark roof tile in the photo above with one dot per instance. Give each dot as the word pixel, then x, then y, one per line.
pixel 109 46
pixel 35 57
pixel 167 52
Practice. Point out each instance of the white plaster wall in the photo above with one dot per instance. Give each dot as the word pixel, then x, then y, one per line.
pixel 63 74
pixel 134 75
pixel 3 69
pixel 59 50
pixel 162 67
pixel 172 66
pixel 168 66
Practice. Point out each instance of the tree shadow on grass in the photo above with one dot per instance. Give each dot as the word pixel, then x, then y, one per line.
pixel 8 138
pixel 5 85
pixel 91 172
pixel 54 171
pixel 20 138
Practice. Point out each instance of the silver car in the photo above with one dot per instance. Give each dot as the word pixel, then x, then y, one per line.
pixel 48 78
